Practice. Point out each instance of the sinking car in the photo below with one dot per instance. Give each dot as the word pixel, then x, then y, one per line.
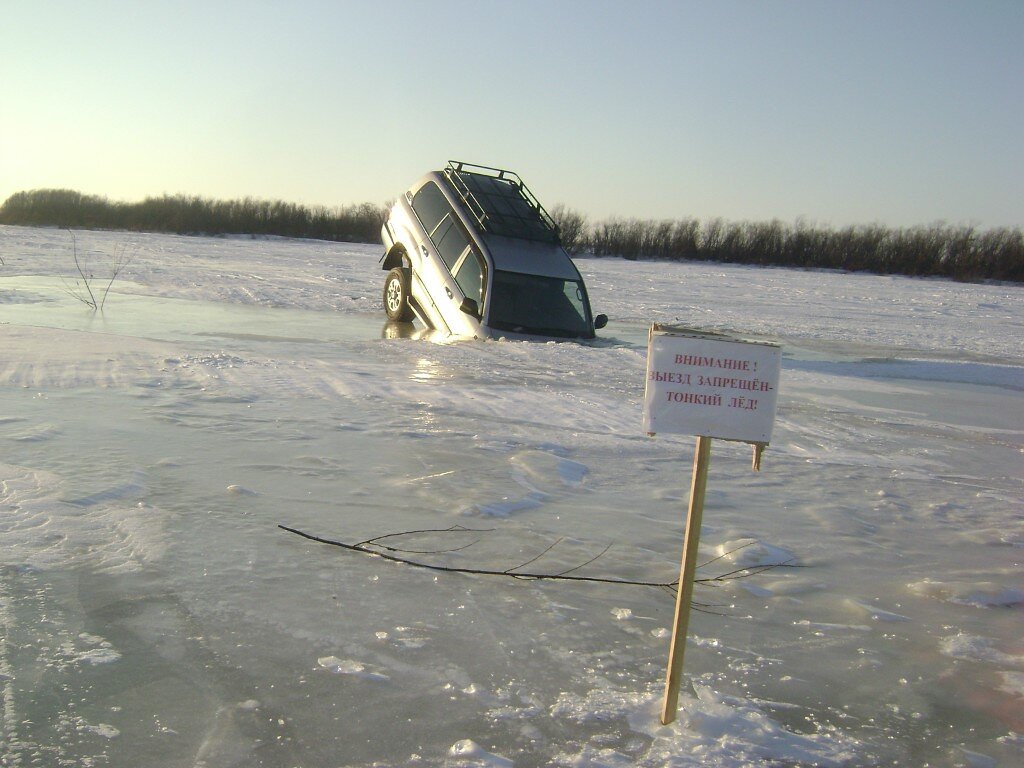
pixel 469 251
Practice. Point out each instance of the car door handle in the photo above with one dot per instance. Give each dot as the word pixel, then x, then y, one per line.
pixel 448 291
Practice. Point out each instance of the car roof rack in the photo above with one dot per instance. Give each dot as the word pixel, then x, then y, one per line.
pixel 500 202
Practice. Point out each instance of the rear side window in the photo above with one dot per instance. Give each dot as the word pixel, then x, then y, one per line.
pixel 450 240
pixel 430 205
pixel 438 219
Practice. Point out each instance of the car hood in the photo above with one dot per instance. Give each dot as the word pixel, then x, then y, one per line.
pixel 530 257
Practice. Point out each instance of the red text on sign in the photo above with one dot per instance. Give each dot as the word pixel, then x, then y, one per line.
pixel 692 398
pixel 743 402
pixel 702 361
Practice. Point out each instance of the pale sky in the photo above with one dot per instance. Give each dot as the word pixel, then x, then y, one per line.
pixel 893 112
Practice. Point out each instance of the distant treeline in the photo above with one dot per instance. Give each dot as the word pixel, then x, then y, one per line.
pixel 183 214
pixel 961 252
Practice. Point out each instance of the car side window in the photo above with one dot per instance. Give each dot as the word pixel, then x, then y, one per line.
pixel 450 240
pixel 470 278
pixel 430 205
pixel 435 212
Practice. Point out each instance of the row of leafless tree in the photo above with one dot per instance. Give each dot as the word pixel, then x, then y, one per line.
pixel 961 252
pixel 194 215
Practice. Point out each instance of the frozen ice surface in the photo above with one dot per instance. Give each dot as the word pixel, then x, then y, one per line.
pixel 152 613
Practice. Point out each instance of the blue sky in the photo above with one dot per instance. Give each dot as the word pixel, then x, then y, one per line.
pixel 842 113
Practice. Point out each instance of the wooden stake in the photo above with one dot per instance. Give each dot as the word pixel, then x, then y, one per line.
pixel 687 569
pixel 758 450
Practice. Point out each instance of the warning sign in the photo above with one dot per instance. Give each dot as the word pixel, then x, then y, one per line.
pixel 710 385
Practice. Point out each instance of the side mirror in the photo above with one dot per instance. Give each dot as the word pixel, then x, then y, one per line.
pixel 470 307
pixel 600 322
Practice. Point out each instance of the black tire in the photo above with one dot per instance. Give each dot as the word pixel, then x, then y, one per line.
pixel 396 295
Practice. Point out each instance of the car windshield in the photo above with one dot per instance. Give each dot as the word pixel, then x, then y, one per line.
pixel 548 306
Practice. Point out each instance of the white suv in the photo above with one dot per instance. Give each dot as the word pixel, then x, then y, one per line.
pixel 470 252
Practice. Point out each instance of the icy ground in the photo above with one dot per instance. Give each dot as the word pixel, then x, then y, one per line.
pixel 153 614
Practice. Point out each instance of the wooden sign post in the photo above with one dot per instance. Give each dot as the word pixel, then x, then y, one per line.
pixel 714 387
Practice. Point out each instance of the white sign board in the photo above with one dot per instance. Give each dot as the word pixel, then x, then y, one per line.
pixel 710 385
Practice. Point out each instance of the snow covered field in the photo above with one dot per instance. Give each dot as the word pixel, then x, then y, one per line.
pixel 152 612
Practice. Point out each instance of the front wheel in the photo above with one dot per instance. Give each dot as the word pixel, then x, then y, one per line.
pixel 396 295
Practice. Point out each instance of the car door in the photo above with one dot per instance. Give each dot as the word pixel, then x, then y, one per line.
pixel 442 256
pixel 432 282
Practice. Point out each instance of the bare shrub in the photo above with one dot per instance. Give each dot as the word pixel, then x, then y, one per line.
pixel 572 228
pixel 81 287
